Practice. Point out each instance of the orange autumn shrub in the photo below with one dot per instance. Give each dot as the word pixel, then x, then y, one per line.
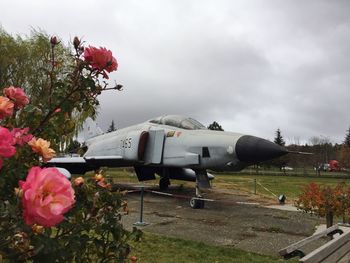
pixel 324 201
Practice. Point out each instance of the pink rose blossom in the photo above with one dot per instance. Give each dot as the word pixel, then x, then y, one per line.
pixel 17 95
pixel 7 142
pixel 21 136
pixel 100 59
pixel 47 195
pixel 6 107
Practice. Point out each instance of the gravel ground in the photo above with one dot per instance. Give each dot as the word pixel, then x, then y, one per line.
pixel 234 220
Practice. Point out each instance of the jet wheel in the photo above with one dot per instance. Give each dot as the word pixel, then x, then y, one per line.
pixel 196 203
pixel 164 183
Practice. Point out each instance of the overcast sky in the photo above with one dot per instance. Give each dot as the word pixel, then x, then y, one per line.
pixel 253 66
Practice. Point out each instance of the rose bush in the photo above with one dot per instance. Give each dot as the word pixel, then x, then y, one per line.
pixel 43 216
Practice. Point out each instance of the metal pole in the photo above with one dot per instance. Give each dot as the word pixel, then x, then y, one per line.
pixel 141 211
pixel 255 186
pixel 141 223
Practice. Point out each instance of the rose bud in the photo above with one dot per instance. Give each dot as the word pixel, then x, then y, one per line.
pixel 76 42
pixel 19 192
pixel 124 206
pixel 79 181
pixel 37 229
pixel 98 177
pixel 54 41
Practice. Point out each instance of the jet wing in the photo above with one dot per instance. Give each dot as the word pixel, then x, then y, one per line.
pixel 67 160
pixel 138 147
pixel 106 160
pixel 107 157
pixel 75 165
pixel 80 165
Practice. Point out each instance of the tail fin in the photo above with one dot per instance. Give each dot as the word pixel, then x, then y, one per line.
pixel 90 129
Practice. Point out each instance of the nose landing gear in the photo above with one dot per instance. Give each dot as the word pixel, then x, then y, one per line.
pixel 196 203
pixel 202 181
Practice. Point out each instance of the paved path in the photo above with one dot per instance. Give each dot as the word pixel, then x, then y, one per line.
pixel 234 220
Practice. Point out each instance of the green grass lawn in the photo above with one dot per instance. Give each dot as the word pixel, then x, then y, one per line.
pixel 159 249
pixel 276 183
pixel 288 185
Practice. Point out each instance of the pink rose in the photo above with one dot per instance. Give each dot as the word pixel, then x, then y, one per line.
pixel 6 107
pixel 17 95
pixel 47 195
pixel 6 143
pixel 100 59
pixel 20 136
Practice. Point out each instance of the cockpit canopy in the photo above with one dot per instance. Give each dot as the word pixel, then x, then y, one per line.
pixel 179 122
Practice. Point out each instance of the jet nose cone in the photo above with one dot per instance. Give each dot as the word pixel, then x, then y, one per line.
pixel 251 149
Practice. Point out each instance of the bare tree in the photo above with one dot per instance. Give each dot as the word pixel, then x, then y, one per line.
pixel 322 148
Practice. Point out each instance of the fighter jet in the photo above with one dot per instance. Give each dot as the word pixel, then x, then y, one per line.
pixel 174 147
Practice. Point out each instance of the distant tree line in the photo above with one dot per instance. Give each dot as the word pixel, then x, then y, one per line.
pixel 322 152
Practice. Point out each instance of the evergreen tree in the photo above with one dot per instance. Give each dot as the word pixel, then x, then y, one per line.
pixel 215 126
pixel 347 138
pixel 283 160
pixel 111 127
pixel 279 139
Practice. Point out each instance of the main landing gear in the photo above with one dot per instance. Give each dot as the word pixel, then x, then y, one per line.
pixel 164 183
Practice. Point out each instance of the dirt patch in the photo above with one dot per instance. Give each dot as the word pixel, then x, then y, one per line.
pixel 233 220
